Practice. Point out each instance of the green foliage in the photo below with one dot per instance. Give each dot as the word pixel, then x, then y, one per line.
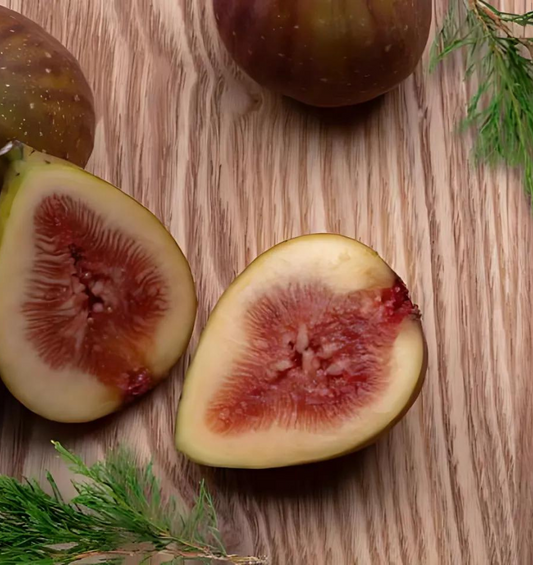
pixel 500 62
pixel 119 511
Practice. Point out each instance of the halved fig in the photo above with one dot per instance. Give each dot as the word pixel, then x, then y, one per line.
pixel 313 352
pixel 97 301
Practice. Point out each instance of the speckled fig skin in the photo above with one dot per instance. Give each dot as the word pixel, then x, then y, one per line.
pixel 326 53
pixel 45 100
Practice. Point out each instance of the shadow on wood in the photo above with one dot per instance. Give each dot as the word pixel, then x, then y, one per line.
pixel 304 481
pixel 342 119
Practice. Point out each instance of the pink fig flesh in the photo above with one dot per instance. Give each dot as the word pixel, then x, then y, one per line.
pixel 313 358
pixel 95 296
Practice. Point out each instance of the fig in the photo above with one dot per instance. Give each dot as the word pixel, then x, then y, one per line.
pixel 326 53
pixel 45 100
pixel 97 300
pixel 313 352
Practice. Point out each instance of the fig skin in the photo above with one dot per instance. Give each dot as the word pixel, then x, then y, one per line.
pixel 45 99
pixel 71 393
pixel 326 54
pixel 330 257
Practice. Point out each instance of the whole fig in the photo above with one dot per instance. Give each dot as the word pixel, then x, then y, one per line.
pixel 45 100
pixel 326 52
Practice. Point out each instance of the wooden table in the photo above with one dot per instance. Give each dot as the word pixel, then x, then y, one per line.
pixel 231 170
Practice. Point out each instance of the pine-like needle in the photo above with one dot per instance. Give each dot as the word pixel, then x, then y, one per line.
pixel 119 511
pixel 499 58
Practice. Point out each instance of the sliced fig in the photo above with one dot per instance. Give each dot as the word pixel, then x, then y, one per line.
pixel 314 351
pixel 97 301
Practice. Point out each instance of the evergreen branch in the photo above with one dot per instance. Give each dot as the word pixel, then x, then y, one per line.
pixel 501 61
pixel 119 511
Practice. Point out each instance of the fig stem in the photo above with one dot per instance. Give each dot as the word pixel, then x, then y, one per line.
pixel 233 559
pixel 7 148
pixel 480 8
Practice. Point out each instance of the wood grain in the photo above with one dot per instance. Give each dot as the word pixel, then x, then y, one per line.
pixel 232 170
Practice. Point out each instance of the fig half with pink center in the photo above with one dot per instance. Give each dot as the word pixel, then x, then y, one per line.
pixel 97 301
pixel 313 352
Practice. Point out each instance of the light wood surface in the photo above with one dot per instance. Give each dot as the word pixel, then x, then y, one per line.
pixel 232 170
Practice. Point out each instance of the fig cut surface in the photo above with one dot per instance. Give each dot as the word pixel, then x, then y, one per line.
pixel 97 301
pixel 313 352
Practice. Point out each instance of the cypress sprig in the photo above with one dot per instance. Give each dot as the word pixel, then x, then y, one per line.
pixel 119 511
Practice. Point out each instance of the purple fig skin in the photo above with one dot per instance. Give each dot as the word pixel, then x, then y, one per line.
pixel 326 53
pixel 45 100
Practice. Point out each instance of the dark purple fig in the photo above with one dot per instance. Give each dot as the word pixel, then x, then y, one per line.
pixel 45 100
pixel 326 52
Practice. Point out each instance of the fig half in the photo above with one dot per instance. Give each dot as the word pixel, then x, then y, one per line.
pixel 313 352
pixel 97 301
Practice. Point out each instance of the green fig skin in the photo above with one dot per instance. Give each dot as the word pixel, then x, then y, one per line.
pixel 326 53
pixel 45 99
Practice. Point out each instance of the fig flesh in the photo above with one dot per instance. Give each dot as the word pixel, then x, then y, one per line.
pixel 314 351
pixel 97 301
pixel 334 53
pixel 45 100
